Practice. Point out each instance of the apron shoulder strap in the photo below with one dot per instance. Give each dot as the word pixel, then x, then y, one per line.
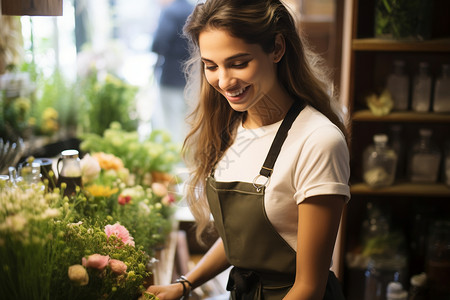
pixel 280 137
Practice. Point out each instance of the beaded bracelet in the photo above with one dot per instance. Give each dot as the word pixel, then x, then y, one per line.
pixel 184 280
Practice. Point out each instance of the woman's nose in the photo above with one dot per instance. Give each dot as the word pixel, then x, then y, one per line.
pixel 225 79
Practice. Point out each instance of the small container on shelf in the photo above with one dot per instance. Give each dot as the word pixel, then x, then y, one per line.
pixel 441 101
pixel 421 95
pixel 395 291
pixel 379 162
pixel 398 86
pixel 425 159
pixel 418 287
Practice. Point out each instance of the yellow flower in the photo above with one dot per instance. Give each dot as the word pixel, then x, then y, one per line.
pixel 101 190
pixel 382 105
pixel 50 113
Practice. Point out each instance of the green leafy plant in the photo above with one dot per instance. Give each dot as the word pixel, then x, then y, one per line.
pixel 105 101
pixel 403 19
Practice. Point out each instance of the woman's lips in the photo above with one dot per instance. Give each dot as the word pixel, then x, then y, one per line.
pixel 237 94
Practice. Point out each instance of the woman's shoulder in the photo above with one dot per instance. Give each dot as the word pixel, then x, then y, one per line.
pixel 312 122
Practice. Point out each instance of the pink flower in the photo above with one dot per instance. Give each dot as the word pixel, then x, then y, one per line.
pixel 168 199
pixel 159 189
pixel 96 261
pixel 117 266
pixel 124 199
pixel 120 232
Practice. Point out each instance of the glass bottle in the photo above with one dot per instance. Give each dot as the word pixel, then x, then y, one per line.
pixel 441 101
pixel 382 270
pixel 438 260
pixel 379 162
pixel 395 291
pixel 421 95
pixel 398 85
pixel 418 287
pixel 70 172
pixel 425 159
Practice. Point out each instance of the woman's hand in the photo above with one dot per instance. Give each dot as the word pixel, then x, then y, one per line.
pixel 166 292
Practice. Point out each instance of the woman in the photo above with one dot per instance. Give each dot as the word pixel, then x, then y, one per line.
pixel 273 153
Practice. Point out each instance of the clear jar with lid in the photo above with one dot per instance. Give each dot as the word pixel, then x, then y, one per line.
pixel 379 162
pixel 425 159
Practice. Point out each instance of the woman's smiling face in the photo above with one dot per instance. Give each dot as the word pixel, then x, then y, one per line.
pixel 243 73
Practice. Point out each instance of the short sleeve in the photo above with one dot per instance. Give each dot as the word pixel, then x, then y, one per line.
pixel 323 166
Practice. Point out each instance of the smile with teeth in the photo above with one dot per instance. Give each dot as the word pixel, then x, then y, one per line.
pixel 236 93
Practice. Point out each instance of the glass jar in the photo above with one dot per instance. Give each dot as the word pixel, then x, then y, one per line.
pixel 382 270
pixel 379 162
pixel 70 172
pixel 425 159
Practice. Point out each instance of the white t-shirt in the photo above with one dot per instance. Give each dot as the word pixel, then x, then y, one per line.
pixel 313 160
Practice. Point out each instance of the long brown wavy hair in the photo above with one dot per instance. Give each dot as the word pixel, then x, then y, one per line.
pixel 213 121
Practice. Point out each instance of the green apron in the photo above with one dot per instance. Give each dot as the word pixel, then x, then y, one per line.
pixel 264 263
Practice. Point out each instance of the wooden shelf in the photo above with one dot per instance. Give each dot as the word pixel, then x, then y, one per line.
pixel 373 44
pixel 407 116
pixel 403 189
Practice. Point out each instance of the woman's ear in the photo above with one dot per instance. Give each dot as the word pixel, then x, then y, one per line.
pixel 279 48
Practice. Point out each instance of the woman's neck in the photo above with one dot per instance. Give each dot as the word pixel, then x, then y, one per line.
pixel 267 111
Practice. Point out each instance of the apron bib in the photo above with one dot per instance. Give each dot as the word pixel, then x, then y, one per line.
pixel 264 263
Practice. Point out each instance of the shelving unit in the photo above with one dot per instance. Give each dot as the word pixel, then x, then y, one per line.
pixel 366 63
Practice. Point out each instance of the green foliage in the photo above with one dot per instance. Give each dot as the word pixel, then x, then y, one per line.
pixel 106 101
pixel 402 19
pixel 155 153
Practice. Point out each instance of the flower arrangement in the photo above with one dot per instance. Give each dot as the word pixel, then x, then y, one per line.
pixel 87 246
pixel 149 160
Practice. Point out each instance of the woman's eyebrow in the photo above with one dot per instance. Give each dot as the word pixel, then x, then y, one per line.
pixel 239 55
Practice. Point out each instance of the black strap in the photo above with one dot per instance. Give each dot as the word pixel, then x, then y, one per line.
pixel 281 135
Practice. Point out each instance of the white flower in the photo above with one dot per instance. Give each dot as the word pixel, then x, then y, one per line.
pixel 51 213
pixel 90 168
pixel 16 223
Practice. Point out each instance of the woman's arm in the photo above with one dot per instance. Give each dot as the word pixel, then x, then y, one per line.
pixel 318 223
pixel 212 264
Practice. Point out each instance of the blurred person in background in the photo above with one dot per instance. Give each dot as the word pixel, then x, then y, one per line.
pixel 172 52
